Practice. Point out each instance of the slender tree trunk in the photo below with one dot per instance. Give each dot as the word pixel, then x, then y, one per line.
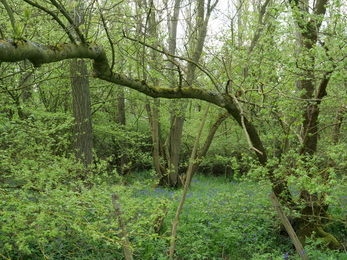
pixel 340 114
pixel 153 116
pixel 153 113
pixel 338 121
pixel 186 185
pixel 204 149
pixel 177 123
pixel 178 115
pixel 26 90
pixel 26 80
pixel 121 120
pixel 123 235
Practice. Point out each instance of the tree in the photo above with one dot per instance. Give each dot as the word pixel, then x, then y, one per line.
pixel 83 136
pixel 166 154
pixel 274 63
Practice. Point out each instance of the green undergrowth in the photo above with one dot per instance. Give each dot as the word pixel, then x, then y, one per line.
pixel 221 219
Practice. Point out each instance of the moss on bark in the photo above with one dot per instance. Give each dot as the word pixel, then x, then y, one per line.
pixel 325 239
pixel 311 224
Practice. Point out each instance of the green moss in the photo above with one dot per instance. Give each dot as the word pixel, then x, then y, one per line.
pixel 325 239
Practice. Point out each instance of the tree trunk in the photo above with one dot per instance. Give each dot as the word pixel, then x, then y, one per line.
pixel 308 27
pixel 177 114
pixel 177 123
pixel 337 125
pixel 26 90
pixel 186 185
pixel 314 209
pixel 83 139
pixel 156 141
pixel 121 120
pixel 81 105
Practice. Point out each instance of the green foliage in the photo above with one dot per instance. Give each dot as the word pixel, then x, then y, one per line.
pixel 227 155
pixel 69 221
pixel 56 216
pixel 47 210
pixel 324 253
pixel 223 221
pixel 115 141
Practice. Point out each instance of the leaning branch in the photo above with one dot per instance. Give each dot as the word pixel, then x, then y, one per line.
pixel 249 141
pixel 13 51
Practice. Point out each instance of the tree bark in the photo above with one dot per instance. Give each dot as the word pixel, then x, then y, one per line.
pixel 11 51
pixel 204 149
pixel 83 138
pixel 337 125
pixel 153 117
pixel 123 236
pixel 177 114
pixel 308 27
pixel 81 105
pixel 121 120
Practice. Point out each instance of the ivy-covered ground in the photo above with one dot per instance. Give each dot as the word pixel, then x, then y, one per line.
pixel 221 219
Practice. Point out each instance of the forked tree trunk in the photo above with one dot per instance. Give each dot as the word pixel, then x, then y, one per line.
pixel 159 157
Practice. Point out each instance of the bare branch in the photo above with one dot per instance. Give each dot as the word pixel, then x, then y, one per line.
pixel 71 21
pixel 55 17
pixel 167 53
pixel 251 147
pixel 260 28
pixel 107 35
pixel 10 14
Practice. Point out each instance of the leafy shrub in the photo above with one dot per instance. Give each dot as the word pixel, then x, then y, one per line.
pixel 46 210
pixel 114 141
